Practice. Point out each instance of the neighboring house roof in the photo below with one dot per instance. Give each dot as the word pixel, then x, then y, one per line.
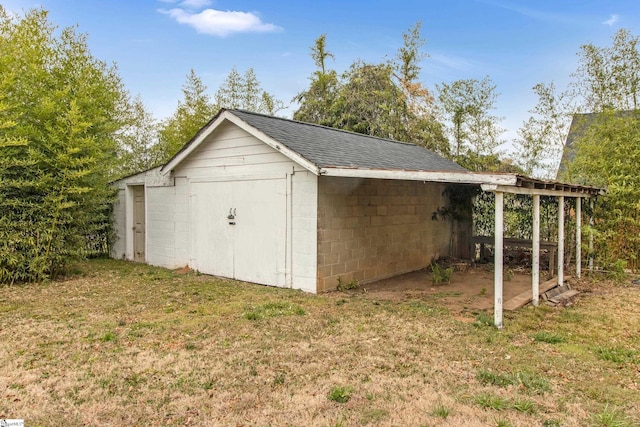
pixel 580 123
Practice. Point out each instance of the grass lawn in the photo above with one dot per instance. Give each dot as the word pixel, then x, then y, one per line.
pixel 125 344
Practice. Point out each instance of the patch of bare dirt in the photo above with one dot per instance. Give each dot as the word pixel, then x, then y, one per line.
pixel 471 287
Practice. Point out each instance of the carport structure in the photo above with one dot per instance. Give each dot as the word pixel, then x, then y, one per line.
pixel 518 184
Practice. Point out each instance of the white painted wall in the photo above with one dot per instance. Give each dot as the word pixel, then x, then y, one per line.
pixel 304 235
pixel 182 236
pixel 166 240
pixel 118 250
pixel 230 154
pixel 161 226
pixel 230 151
pixel 123 216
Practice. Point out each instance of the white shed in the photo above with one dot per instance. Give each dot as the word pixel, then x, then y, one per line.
pixel 290 204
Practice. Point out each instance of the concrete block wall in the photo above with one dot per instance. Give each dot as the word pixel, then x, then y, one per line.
pixel 371 229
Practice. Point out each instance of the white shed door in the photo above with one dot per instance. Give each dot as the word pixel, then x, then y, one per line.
pixel 211 235
pixel 249 246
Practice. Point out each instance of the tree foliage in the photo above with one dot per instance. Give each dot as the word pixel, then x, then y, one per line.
pixel 605 151
pixel 196 109
pixel 317 102
pixel 609 77
pixel 59 111
pixel 608 155
pixel 541 138
pixel 386 100
pixel 369 102
pixel 136 139
pixel 246 93
pixel 192 113
pixel 475 131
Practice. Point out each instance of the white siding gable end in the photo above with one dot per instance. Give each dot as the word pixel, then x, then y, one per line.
pixel 226 115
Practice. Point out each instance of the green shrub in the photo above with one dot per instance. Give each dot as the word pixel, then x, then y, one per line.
pixel 440 275
pixel 58 120
pixel 618 355
pixel 484 319
pixel 532 383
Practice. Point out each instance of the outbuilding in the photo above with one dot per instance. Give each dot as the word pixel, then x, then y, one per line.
pixel 284 203
pixel 290 204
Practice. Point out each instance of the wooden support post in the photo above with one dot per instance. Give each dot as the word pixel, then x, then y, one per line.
pixel 560 240
pixel 578 237
pixel 535 252
pixel 497 260
pixel 591 236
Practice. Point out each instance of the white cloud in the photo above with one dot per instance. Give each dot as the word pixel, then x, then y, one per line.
pixel 220 23
pixel 612 20
pixel 195 4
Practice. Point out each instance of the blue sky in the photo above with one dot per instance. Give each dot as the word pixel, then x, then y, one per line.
pixel 517 43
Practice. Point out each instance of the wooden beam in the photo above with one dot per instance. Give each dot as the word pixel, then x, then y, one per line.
pixel 431 176
pixel 560 240
pixel 549 190
pixel 591 205
pixel 497 262
pixel 578 237
pixel 524 298
pixel 535 253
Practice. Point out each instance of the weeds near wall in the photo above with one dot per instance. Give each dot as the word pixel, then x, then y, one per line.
pixel 346 286
pixel 440 274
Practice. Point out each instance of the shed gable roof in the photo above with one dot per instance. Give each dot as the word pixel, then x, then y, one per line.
pixel 328 147
pixel 322 147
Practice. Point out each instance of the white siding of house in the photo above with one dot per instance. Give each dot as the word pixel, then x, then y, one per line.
pixel 181 221
pixel 304 236
pixel 123 216
pixel 119 248
pixel 231 153
pixel 228 154
pixel 166 201
pixel 161 226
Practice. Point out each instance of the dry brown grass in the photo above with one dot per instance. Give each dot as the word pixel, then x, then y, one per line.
pixel 129 344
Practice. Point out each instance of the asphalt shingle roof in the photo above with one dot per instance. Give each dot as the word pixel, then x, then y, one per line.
pixel 328 147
